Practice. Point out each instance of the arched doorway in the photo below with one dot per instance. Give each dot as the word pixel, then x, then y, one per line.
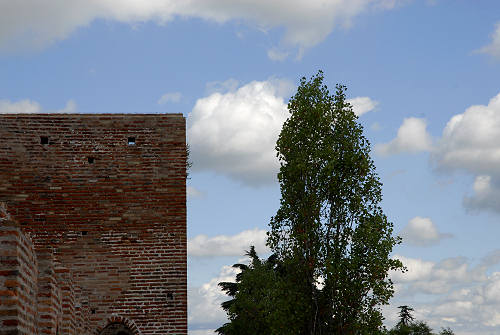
pixel 116 324
pixel 116 329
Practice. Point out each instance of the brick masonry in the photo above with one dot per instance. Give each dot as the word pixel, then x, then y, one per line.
pixel 100 200
pixel 18 280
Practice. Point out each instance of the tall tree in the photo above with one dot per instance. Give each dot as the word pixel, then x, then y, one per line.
pixel 446 331
pixel 330 228
pixel 405 316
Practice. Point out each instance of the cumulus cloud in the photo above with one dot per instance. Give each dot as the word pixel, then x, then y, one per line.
pixel 69 108
pixel 32 107
pixel 362 105
pixel 471 142
pixel 205 310
pixel 20 107
pixel 224 245
pixel 169 97
pixel 412 137
pixel 493 48
pixel 306 23
pixel 486 195
pixel 422 232
pixel 417 270
pixel 437 277
pixel 23 106
pixel 459 295
pixel 234 133
pixel 451 292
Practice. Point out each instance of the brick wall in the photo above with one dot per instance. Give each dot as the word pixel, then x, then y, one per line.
pixel 66 283
pixel 18 281
pixel 49 296
pixel 113 213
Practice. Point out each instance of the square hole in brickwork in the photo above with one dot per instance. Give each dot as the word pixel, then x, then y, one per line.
pixel 91 160
pixel 131 141
pixel 40 218
pixel 44 140
pixel 84 232
pixel 92 311
pixel 170 296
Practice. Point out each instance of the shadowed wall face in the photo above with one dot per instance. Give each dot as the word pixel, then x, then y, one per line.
pixel 116 329
pixel 107 195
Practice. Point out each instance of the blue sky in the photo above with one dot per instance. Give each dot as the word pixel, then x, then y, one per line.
pixel 423 76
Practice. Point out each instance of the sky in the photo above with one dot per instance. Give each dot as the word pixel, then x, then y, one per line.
pixel 422 75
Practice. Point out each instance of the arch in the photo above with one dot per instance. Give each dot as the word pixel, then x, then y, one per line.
pixel 116 329
pixel 118 325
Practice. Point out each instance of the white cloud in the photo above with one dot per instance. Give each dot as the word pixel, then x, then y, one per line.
pixel 421 232
pixel 224 245
pixel 205 309
pixel 169 97
pixel 20 107
pixel 32 107
pixel 69 108
pixel 412 137
pixel 362 105
pixel 463 297
pixel 493 48
pixel 234 133
pixel 437 277
pixel 471 142
pixel 486 195
pixel 277 54
pixel 442 293
pixel 33 23
pixel 417 270
pixel 451 293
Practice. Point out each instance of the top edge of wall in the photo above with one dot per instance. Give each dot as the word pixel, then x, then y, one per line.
pixel 92 115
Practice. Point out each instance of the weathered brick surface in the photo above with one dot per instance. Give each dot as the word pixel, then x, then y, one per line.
pixel 67 285
pixel 113 214
pixel 49 295
pixel 18 281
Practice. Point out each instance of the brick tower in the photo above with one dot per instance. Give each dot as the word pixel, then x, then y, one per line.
pixel 101 199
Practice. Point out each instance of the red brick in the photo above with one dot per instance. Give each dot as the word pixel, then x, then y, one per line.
pixel 98 239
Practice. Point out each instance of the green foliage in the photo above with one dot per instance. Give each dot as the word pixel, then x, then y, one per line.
pixel 330 237
pixel 405 316
pixel 446 331
pixel 416 328
pixel 330 224
pixel 264 299
pixel 251 297
pixel 407 326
